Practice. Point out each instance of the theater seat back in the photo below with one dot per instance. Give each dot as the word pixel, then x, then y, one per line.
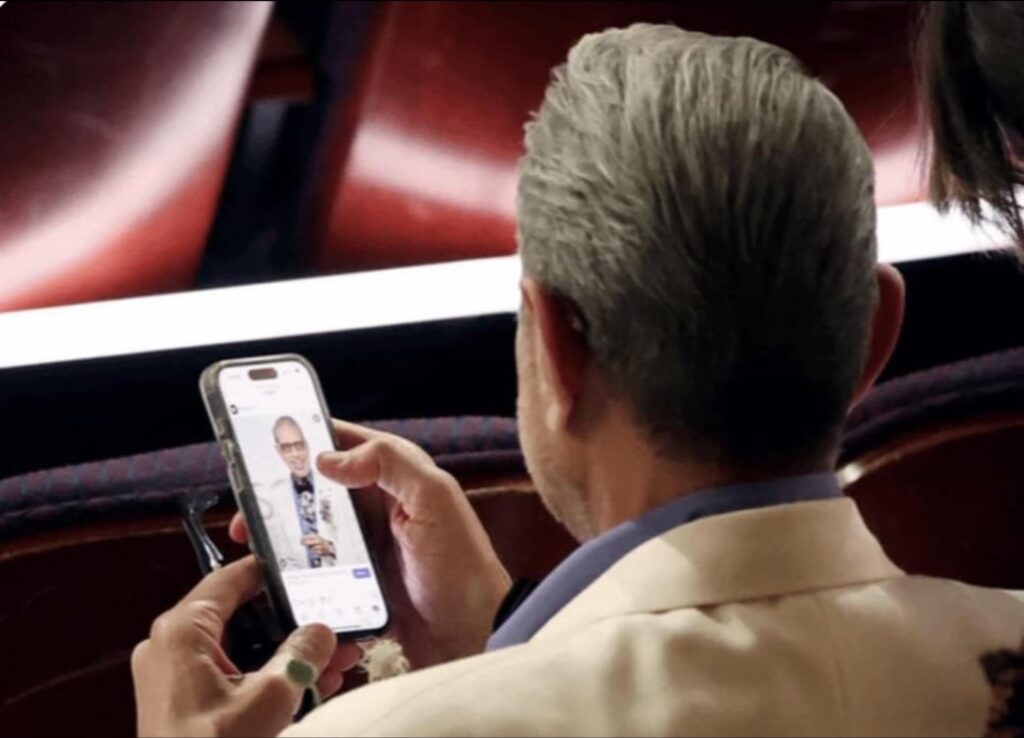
pixel 118 123
pixel 935 461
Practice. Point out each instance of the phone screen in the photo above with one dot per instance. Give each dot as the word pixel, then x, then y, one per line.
pixel 309 520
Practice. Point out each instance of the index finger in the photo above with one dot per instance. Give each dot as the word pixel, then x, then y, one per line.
pixel 348 434
pixel 227 588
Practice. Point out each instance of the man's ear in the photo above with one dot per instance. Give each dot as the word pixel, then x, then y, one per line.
pixel 561 351
pixel 885 327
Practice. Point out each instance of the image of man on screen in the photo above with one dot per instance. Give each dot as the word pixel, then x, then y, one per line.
pixel 299 509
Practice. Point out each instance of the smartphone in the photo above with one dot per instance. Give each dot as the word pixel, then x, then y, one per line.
pixel 271 420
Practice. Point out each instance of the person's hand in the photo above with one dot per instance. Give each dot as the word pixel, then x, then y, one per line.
pixel 185 684
pixel 443 579
pixel 320 546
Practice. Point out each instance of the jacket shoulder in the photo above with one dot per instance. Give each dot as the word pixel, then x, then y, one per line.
pixel 828 661
pixel 442 700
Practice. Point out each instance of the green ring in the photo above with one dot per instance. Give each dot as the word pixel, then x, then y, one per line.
pixel 301 672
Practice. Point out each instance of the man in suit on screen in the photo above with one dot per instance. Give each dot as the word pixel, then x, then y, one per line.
pixel 303 512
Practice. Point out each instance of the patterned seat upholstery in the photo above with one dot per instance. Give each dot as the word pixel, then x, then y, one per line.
pixel 987 384
pixel 149 484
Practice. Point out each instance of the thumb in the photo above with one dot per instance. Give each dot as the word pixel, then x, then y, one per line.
pixel 275 691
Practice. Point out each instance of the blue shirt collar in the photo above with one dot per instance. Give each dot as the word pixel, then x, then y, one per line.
pixel 596 556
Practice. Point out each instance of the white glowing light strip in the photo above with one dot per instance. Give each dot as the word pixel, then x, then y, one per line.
pixel 363 300
pixel 255 312
pixel 917 231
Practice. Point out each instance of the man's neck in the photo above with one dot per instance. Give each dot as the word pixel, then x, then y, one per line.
pixel 625 478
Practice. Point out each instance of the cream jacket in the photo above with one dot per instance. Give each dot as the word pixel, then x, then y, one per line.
pixel 785 620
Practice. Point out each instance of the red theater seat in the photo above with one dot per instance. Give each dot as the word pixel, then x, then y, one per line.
pixel 934 461
pixel 118 124
pixel 423 154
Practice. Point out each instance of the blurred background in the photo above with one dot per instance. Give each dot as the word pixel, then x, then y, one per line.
pixel 186 182
pixel 168 146
pixel 173 149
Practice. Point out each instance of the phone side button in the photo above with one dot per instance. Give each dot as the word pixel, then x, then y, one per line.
pixel 236 483
pixel 227 450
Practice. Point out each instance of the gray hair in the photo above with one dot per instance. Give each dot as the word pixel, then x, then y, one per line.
pixel 708 208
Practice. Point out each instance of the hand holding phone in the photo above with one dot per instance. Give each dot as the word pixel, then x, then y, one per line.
pixel 444 579
pixel 271 419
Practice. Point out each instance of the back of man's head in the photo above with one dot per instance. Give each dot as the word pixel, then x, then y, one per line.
pixel 708 208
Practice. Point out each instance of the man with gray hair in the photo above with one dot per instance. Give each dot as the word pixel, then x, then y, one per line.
pixel 701 305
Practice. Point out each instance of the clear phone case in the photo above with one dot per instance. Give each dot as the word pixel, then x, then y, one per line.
pixel 242 486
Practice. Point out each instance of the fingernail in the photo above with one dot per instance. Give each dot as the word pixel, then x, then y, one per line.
pixel 351 665
pixel 333 458
pixel 314 630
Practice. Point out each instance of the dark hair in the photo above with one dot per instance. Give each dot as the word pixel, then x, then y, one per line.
pixel 971 70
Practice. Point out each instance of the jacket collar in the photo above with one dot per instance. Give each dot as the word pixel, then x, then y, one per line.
pixel 767 552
